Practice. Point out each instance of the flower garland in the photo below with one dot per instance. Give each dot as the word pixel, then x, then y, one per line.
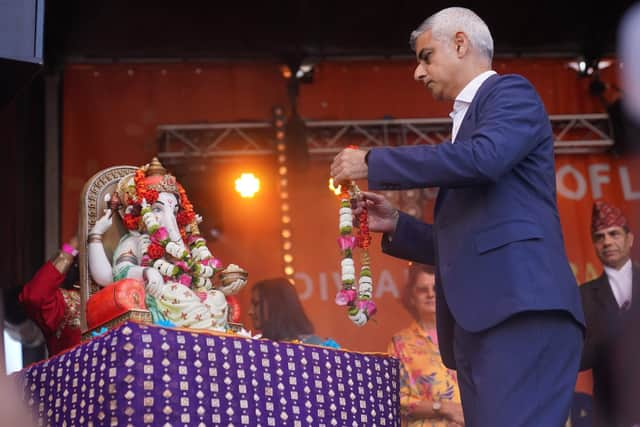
pixel 359 303
pixel 192 267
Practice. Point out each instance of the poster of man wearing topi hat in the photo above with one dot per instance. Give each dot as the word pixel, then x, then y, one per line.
pixel 611 306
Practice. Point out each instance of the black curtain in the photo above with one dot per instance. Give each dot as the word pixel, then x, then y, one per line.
pixel 23 211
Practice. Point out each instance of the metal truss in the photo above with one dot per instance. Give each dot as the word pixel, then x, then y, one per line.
pixel 574 133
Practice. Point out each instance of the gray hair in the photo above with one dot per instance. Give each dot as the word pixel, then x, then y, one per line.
pixel 446 23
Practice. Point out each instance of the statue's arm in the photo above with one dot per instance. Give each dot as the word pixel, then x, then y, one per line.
pixel 126 259
pixel 127 265
pixel 99 265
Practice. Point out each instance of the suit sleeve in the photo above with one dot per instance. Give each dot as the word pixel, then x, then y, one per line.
pixel 509 124
pixel 412 240
pixel 592 337
pixel 43 300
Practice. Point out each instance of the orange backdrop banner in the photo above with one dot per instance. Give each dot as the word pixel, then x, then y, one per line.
pixel 111 113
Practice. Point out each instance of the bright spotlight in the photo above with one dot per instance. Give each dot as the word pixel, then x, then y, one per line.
pixel 247 185
pixel 333 188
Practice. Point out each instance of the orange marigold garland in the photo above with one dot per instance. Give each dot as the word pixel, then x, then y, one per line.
pixel 187 215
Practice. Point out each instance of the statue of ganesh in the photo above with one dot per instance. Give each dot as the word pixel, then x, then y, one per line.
pixel 164 249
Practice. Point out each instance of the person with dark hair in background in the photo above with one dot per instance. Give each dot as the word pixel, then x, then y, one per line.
pixel 52 302
pixel 276 311
pixel 429 394
pixel 508 308
pixel 611 306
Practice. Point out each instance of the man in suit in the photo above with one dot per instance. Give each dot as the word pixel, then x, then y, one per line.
pixel 612 328
pixel 509 316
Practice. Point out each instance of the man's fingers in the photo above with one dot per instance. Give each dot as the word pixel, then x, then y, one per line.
pixel 373 197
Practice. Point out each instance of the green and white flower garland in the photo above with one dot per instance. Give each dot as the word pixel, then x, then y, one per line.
pixel 359 303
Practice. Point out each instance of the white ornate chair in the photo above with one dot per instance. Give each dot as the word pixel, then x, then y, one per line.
pixel 92 206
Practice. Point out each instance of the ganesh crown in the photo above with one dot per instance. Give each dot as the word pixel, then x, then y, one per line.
pixel 146 183
pixel 156 178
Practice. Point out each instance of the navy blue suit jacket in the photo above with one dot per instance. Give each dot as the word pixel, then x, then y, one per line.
pixel 496 240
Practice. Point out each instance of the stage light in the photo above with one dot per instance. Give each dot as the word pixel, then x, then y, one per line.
pixel 247 185
pixel 582 66
pixel 282 135
pixel 285 71
pixel 334 189
pixel 305 73
pixel 586 67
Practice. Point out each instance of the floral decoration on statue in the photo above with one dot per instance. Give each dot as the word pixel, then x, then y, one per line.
pixel 194 266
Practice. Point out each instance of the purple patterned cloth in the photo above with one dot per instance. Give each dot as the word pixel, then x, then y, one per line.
pixel 147 375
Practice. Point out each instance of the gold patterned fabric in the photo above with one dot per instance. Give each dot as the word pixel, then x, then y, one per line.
pixel 72 309
pixel 139 375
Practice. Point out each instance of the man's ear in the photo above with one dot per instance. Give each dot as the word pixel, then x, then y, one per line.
pixel 462 43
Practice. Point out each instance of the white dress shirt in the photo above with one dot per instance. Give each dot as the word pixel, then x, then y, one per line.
pixel 621 282
pixel 463 100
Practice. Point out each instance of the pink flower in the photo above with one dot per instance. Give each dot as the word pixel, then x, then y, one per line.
pixel 185 280
pixel 182 265
pixel 160 236
pixel 146 260
pixel 214 263
pixel 346 297
pixel 346 242
pixel 368 307
pixel 193 239
pixel 202 296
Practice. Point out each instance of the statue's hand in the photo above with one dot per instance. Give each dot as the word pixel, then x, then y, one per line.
pixel 153 281
pixel 102 224
pixel 234 287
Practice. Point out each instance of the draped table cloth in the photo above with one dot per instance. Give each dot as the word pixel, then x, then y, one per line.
pixel 138 375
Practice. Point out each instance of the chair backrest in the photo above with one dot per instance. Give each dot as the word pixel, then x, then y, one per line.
pixel 92 206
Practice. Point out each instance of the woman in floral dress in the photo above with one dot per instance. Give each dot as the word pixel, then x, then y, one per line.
pixel 429 395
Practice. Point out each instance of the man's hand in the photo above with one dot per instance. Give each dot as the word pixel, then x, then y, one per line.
pixel 383 217
pixel 349 165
